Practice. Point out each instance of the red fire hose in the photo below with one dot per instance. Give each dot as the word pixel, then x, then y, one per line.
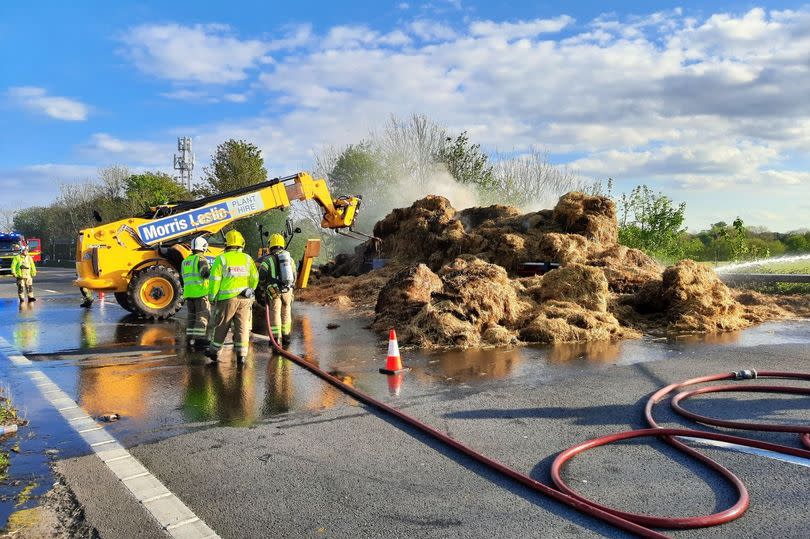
pixel 637 524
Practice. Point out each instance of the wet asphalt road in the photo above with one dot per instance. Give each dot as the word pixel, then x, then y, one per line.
pixel 269 450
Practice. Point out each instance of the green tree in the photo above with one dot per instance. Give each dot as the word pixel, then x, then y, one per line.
pixel 152 189
pixel 237 164
pixel 32 222
pixel 651 222
pixel 467 163
pixel 739 241
pixel 234 165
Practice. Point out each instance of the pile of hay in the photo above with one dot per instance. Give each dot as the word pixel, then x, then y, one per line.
pixel 451 280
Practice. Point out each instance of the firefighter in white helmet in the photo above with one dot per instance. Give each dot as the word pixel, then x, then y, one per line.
pixel 276 280
pixel 195 271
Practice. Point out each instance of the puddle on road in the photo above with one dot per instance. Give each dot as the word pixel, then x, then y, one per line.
pixel 111 362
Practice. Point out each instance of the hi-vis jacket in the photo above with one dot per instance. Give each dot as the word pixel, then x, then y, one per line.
pixel 231 273
pixel 195 272
pixel 23 267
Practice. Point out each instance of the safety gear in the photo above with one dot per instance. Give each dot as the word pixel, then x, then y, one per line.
pixel 195 271
pixel 277 240
pixel 199 311
pixel 199 244
pixel 24 270
pixel 231 273
pixel 236 311
pixel 234 239
pixel 277 271
pixel 22 265
pixel 87 297
pixel 281 314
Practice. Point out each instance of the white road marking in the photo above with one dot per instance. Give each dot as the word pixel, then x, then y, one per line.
pixel 51 291
pixel 167 509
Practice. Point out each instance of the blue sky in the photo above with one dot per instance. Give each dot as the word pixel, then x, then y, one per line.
pixel 703 101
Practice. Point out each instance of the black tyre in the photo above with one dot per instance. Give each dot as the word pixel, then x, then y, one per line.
pixel 155 292
pixel 123 300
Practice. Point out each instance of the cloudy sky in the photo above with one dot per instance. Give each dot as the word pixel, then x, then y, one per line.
pixel 708 102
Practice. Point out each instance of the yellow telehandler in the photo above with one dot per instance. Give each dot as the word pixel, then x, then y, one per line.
pixel 138 258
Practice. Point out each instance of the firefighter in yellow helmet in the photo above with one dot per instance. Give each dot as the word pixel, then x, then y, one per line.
pixel 195 271
pixel 24 270
pixel 277 279
pixel 232 282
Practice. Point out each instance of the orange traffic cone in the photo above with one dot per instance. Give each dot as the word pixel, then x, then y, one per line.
pixel 393 364
pixel 395 383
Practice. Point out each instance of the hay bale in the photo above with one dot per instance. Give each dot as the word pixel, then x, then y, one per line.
pixel 476 304
pixel 583 285
pixel 591 216
pixel 412 234
pixel 483 289
pixel 562 248
pixel 404 295
pixel 441 325
pixel 693 299
pixel 626 269
pixel 562 321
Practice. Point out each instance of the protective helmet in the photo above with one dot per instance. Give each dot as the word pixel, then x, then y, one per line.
pixel 199 244
pixel 23 248
pixel 276 240
pixel 234 239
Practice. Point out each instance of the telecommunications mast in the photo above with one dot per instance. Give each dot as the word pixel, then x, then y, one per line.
pixel 184 162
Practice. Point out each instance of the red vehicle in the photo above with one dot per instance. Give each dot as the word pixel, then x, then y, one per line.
pixel 35 249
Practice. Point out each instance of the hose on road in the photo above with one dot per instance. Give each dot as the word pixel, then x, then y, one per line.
pixel 631 522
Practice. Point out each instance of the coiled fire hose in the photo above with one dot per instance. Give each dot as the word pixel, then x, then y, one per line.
pixel 631 522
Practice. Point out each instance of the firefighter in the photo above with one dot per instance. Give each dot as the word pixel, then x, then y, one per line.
pixel 195 271
pixel 233 280
pixel 277 279
pixel 23 268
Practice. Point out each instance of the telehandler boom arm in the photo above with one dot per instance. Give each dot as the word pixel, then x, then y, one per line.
pixel 122 256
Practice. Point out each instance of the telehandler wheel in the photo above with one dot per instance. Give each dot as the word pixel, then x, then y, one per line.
pixel 155 292
pixel 123 300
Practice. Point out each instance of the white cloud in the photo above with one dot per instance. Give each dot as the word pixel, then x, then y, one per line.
pixel 431 30
pixel 201 53
pixel 38 100
pixel 522 29
pixel 107 149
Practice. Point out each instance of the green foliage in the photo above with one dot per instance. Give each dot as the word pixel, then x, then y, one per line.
pixel 152 189
pixel 467 163
pixel 234 165
pixel 651 222
pixel 31 222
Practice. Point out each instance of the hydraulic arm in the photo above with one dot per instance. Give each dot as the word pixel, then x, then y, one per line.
pixel 138 258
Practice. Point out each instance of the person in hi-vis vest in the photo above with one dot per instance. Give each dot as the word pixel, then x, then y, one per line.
pixel 231 288
pixel 195 271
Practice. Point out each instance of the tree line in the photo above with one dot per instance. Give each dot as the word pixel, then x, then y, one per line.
pixel 391 167
pixel 652 222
